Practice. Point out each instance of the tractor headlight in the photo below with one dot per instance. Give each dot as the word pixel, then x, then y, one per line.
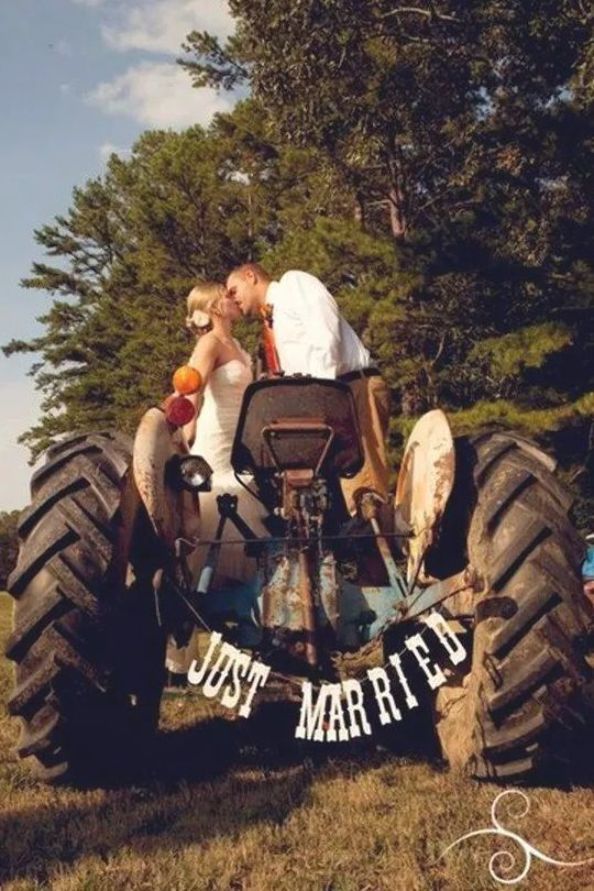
pixel 191 472
pixel 196 473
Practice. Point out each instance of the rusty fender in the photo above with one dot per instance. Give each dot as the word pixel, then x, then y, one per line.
pixel 172 514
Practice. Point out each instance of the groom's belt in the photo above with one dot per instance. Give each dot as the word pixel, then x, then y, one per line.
pixel 359 372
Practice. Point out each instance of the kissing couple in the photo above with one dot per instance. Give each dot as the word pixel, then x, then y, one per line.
pixel 303 333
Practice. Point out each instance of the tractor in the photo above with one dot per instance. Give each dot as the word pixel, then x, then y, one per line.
pixel 478 531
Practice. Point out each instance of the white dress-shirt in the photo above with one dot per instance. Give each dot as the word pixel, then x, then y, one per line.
pixel 310 335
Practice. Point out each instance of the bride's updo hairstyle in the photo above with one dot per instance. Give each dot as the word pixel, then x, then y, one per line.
pixel 204 299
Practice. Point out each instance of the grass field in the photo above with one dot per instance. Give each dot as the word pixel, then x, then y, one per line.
pixel 265 820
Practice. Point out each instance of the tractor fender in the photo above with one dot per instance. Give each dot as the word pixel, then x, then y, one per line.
pixel 425 483
pixel 173 514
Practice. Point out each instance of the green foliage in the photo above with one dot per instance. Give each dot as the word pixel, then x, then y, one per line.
pixel 9 544
pixel 184 207
pixel 529 347
pixel 533 423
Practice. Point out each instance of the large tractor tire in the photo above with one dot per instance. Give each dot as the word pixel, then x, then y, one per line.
pixel 87 645
pixel 521 701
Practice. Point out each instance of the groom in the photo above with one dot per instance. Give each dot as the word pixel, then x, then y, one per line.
pixel 311 337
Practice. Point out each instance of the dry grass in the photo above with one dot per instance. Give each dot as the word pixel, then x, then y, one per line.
pixel 271 821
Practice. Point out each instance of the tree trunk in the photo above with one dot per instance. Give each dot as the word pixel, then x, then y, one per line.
pixel 397 199
pixel 359 212
pixel 397 213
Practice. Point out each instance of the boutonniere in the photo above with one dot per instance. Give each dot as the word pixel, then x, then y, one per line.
pixel 266 311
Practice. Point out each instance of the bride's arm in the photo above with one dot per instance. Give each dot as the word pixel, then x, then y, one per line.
pixel 203 359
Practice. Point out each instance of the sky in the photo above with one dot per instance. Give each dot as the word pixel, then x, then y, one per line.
pixel 78 80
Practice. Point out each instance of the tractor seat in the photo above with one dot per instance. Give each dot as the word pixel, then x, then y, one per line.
pixel 298 423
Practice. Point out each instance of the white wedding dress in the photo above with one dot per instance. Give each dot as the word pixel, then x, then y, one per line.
pixel 215 431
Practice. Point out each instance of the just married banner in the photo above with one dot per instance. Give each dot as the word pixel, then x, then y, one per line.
pixel 334 712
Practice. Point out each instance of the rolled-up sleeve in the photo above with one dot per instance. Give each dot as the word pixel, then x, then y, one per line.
pixel 318 313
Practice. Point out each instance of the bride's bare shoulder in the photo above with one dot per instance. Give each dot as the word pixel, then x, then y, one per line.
pixel 207 346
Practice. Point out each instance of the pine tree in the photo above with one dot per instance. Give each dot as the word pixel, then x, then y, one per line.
pixel 184 207
pixel 465 132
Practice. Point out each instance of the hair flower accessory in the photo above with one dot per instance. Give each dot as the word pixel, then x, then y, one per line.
pixel 198 322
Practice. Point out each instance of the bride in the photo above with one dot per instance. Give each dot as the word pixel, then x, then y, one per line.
pixel 226 371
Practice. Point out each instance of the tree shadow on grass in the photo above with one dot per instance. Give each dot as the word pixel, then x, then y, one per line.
pixel 199 783
pixel 167 810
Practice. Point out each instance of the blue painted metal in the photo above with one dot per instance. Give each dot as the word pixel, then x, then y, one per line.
pixel 588 564
pixel 356 614
pixel 238 603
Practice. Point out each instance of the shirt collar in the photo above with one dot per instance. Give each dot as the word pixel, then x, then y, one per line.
pixel 271 293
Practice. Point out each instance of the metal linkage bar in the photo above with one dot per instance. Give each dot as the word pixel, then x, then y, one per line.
pixel 304 540
pixel 425 598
